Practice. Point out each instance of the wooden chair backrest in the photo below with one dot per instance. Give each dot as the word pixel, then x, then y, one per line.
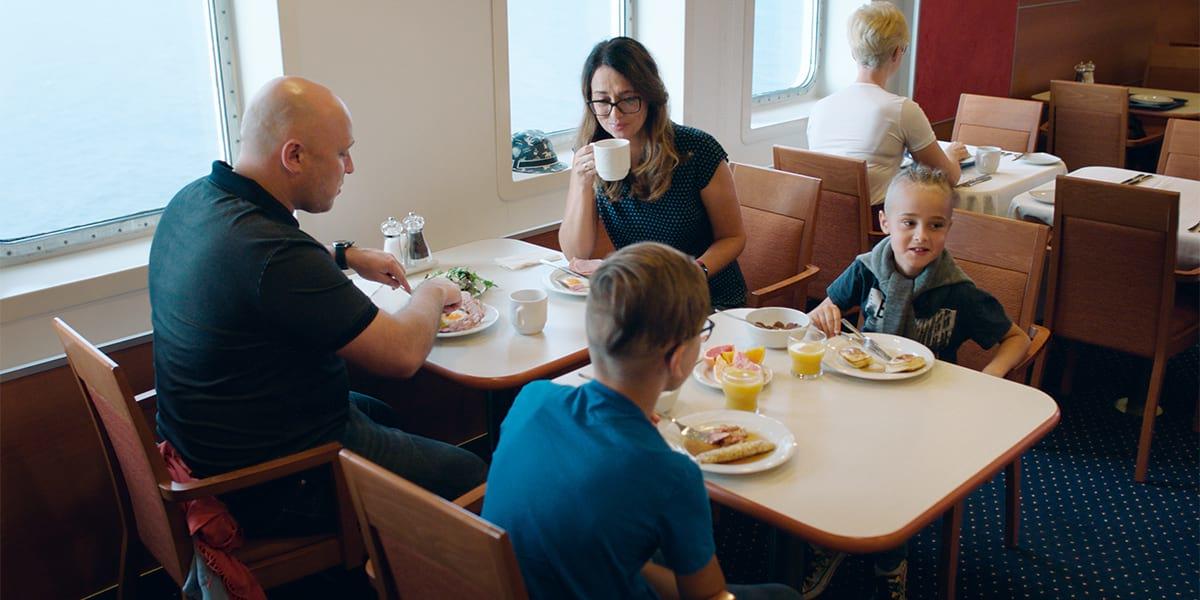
pixel 134 463
pixel 1006 258
pixel 425 547
pixel 1089 123
pixel 1112 265
pixel 779 210
pixel 845 206
pixel 1173 68
pixel 1180 156
pixel 1009 123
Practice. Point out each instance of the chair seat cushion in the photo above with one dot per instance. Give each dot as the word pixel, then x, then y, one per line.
pixel 259 549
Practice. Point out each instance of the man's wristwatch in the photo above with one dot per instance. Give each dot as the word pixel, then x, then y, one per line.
pixel 703 267
pixel 339 252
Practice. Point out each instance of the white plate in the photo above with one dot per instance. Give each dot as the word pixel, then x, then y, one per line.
pixel 894 344
pixel 490 316
pixel 1152 99
pixel 1041 158
pixel 766 427
pixel 553 279
pixel 704 375
pixel 1044 195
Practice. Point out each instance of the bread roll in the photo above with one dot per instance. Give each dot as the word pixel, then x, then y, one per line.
pixel 855 356
pixel 905 362
pixel 735 451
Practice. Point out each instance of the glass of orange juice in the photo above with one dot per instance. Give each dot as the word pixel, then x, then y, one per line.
pixel 807 349
pixel 741 387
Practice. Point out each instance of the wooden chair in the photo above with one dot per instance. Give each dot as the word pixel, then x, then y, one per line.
pixel 1089 124
pixel 422 546
pixel 1180 156
pixel 778 211
pixel 1173 68
pixel 1009 123
pixel 151 504
pixel 1006 258
pixel 1112 280
pixel 843 231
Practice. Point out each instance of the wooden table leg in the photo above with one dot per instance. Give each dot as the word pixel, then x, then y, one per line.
pixel 1012 495
pixel 948 567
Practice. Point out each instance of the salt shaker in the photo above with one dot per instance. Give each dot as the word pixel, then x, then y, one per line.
pixel 393 232
pixel 1085 72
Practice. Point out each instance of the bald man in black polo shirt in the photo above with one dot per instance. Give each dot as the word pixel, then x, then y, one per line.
pixel 254 320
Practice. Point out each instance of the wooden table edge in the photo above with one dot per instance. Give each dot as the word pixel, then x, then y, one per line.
pixel 553 368
pixel 864 545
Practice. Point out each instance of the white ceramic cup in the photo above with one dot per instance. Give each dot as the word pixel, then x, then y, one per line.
pixel 527 310
pixel 612 159
pixel 987 159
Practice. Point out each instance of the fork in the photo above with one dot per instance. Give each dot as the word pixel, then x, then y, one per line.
pixel 867 342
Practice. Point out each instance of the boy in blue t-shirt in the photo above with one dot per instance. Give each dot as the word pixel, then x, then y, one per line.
pixel 583 482
pixel 909 285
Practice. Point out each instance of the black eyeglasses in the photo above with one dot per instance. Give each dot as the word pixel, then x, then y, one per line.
pixel 627 106
pixel 706 331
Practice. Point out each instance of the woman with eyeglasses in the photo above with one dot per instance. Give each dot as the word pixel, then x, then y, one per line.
pixel 867 122
pixel 679 190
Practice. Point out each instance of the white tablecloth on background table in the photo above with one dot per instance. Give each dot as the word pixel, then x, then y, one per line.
pixel 1188 254
pixel 1012 178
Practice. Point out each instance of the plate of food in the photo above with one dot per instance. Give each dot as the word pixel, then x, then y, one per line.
pixel 1041 158
pixel 467 317
pixel 1044 195
pixel 1151 99
pixel 468 281
pixel 719 358
pixel 731 441
pixel 566 283
pixel 910 358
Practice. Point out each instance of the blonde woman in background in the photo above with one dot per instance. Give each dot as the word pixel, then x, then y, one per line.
pixel 865 121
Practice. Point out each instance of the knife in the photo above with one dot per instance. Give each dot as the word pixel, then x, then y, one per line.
pixel 867 342
pixel 562 268
pixel 971 182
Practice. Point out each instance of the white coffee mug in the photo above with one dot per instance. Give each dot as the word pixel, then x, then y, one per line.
pixel 987 159
pixel 527 310
pixel 612 159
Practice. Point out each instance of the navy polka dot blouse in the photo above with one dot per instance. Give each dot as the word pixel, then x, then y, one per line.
pixel 678 219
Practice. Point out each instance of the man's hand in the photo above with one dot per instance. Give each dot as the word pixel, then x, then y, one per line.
pixel 377 265
pixel 451 293
pixel 827 317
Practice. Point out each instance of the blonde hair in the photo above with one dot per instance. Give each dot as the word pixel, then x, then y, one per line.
pixel 645 299
pixel 651 178
pixel 875 31
pixel 921 176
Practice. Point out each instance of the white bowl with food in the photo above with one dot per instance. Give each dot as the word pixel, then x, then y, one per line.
pixel 772 326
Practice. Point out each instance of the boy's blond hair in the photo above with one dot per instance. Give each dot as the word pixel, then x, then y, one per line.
pixel 644 300
pixel 875 31
pixel 921 176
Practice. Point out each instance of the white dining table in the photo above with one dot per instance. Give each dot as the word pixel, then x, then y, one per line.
pixel 1014 176
pixel 875 461
pixel 1187 257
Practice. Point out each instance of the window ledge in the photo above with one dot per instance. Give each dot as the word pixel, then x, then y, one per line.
pixel 60 282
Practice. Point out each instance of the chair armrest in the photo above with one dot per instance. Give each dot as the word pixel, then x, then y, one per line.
pixel 1189 276
pixel 251 476
pixel 473 500
pixel 780 286
pixel 1039 336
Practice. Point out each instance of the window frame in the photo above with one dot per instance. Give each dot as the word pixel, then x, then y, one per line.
pixel 223 62
pixel 780 95
pixel 511 185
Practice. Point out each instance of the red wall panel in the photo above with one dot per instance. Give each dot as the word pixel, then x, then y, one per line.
pixel 963 47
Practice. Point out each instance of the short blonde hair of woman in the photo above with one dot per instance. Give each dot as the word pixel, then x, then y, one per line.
pixel 644 300
pixel 921 176
pixel 875 31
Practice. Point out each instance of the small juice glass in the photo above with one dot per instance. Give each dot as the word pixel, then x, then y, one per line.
pixel 741 387
pixel 807 349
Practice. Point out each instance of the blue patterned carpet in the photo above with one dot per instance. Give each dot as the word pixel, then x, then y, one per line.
pixel 1088 531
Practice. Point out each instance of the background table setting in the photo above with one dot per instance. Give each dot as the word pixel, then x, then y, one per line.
pixel 874 461
pixel 1016 172
pixel 1038 204
pixel 1152 102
